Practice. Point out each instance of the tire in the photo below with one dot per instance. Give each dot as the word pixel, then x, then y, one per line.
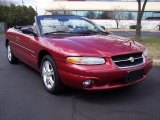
pixel 11 58
pixel 50 75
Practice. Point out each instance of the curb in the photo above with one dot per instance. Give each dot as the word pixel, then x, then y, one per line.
pixel 129 30
pixel 156 61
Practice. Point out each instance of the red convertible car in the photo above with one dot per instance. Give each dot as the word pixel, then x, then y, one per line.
pixel 73 51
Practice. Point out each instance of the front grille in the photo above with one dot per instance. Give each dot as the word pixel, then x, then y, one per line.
pixel 128 60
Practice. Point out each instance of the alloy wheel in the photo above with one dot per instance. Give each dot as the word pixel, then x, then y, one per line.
pixel 48 74
pixel 9 53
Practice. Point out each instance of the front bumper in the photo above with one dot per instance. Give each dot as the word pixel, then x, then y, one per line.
pixel 107 76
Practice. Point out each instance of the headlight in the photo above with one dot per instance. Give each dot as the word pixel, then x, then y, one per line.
pixel 86 60
pixel 145 53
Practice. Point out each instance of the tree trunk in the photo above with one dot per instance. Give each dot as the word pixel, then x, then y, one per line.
pixel 117 24
pixel 138 27
pixel 139 18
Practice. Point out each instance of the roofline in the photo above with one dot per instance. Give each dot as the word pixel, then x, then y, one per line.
pixel 99 6
pixel 59 15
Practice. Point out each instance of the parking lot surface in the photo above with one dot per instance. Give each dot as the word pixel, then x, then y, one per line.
pixel 23 97
pixel 132 33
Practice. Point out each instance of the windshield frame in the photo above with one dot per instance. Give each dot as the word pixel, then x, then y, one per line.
pixel 39 18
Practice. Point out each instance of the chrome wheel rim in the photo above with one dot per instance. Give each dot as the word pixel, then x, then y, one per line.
pixel 48 74
pixel 9 53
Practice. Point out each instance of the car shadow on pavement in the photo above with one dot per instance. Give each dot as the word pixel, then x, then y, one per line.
pixel 86 105
pixel 118 93
pixel 134 93
pixel 128 93
pixel 134 100
pixel 137 91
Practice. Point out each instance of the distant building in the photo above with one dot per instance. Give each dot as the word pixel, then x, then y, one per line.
pixel 100 11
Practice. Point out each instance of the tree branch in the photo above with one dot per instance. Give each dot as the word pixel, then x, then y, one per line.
pixel 144 5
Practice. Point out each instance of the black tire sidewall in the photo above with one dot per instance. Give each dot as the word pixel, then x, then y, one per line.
pixel 58 86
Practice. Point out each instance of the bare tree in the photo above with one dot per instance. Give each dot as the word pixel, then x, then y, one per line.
pixel 139 17
pixel 61 11
pixel 129 16
pixel 104 15
pixel 117 16
pixel 91 14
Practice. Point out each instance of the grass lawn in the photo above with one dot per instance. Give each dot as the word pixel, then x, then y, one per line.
pixel 153 46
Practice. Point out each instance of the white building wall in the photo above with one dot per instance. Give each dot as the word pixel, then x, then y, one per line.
pixel 105 6
pixel 124 24
pixel 108 6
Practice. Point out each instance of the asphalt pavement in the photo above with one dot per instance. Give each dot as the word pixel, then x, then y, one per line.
pixel 132 33
pixel 23 97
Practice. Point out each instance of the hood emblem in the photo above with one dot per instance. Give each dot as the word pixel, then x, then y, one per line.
pixel 131 59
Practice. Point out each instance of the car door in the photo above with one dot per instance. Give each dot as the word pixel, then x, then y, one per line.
pixel 13 38
pixel 29 49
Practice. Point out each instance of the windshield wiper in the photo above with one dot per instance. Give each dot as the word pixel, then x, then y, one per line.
pixel 56 32
pixel 87 32
pixel 91 32
pixel 103 33
pixel 81 32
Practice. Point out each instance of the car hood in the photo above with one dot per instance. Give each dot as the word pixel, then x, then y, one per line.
pixel 94 45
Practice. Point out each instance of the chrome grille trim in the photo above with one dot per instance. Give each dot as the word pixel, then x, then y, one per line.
pixel 127 60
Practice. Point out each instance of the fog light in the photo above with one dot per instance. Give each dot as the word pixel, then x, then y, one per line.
pixel 87 83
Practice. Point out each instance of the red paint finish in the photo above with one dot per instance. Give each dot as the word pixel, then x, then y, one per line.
pixel 106 76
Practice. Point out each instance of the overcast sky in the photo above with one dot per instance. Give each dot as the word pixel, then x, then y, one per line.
pixel 41 4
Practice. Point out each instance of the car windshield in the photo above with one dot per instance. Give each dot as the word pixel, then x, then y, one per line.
pixel 67 25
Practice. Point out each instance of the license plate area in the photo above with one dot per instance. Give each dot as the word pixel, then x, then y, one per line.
pixel 134 75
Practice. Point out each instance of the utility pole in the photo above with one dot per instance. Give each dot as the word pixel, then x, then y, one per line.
pixel 36 9
pixel 22 2
pixel 36 6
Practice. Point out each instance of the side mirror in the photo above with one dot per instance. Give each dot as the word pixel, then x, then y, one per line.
pixel 28 31
pixel 102 27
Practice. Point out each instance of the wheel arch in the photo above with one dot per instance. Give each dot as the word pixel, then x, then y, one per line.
pixel 41 54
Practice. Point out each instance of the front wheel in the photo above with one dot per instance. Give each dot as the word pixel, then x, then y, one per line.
pixel 50 76
pixel 11 58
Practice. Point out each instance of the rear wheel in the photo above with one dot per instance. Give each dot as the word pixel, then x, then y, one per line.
pixel 50 76
pixel 11 58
